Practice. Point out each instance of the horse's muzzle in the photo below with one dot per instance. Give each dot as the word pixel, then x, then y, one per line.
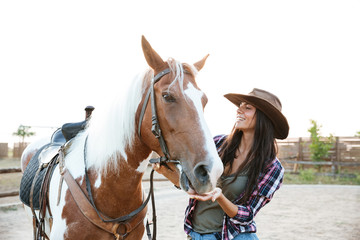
pixel 197 181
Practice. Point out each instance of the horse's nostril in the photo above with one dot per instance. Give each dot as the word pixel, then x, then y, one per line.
pixel 201 174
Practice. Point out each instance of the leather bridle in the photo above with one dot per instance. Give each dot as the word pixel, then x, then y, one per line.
pixel 155 127
pixel 163 160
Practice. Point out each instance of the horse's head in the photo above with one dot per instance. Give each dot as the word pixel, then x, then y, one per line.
pixel 179 105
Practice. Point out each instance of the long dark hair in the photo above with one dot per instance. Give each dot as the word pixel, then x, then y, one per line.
pixel 262 152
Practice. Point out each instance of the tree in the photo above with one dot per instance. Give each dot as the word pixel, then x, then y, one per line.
pixel 22 132
pixel 319 148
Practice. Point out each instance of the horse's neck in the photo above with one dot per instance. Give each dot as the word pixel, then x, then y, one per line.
pixel 121 186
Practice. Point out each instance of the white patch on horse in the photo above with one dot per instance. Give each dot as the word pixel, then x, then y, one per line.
pixel 59 225
pixel 74 159
pixel 195 95
pixel 143 165
pixel 97 183
pixel 111 131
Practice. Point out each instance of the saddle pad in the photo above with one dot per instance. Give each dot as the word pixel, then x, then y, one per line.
pixel 28 177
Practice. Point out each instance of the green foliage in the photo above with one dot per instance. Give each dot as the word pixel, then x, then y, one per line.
pixel 307 175
pixel 23 131
pixel 357 134
pixel 319 148
pixel 9 209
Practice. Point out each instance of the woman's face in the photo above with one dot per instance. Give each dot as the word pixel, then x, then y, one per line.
pixel 245 117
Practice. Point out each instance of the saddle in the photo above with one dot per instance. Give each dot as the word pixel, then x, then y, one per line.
pixel 34 186
pixel 35 171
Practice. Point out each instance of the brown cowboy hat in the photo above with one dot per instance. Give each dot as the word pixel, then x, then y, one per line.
pixel 269 104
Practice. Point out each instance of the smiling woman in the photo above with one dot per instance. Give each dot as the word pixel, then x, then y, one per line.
pixel 252 172
pixel 245 118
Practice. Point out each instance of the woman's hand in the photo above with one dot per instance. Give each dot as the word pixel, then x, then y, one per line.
pixel 229 208
pixel 215 194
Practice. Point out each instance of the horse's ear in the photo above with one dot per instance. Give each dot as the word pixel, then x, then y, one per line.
pixel 152 58
pixel 200 64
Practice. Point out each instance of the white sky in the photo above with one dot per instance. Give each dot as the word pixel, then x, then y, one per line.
pixel 56 57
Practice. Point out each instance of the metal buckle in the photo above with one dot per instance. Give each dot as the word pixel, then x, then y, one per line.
pixel 123 231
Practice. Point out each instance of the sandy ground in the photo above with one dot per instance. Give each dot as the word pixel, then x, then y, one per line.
pixel 296 212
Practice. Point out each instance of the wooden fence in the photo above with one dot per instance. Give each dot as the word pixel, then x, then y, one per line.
pixel 345 154
pixel 294 153
pixel 18 149
pixel 4 149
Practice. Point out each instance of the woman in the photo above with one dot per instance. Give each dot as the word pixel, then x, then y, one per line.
pixel 252 172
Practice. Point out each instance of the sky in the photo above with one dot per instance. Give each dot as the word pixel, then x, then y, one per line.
pixel 57 57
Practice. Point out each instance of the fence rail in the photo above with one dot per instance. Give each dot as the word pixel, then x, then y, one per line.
pixel 9 194
pixel 9 170
pixel 323 163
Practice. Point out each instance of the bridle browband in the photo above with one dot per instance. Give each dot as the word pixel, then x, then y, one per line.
pixel 156 130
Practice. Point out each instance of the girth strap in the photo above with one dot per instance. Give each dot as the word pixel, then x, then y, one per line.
pixel 89 212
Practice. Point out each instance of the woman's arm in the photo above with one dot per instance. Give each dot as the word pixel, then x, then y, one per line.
pixel 268 184
pixel 229 208
pixel 244 213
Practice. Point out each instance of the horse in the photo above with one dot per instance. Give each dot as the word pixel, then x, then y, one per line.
pixel 162 112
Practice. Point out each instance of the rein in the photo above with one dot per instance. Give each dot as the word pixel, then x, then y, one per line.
pixel 101 216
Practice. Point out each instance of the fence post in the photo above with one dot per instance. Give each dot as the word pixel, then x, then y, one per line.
pixel 299 155
pixel 4 150
pixel 337 155
pixel 337 150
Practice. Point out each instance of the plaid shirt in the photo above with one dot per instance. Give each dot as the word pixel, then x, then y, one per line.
pixel 268 182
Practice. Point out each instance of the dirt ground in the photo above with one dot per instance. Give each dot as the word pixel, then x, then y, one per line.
pixel 296 212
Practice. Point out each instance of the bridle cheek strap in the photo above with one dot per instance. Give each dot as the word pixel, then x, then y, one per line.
pixel 155 128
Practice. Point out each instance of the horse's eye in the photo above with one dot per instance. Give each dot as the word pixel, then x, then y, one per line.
pixel 168 97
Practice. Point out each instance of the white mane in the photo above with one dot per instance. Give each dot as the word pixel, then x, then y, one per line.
pixel 111 132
